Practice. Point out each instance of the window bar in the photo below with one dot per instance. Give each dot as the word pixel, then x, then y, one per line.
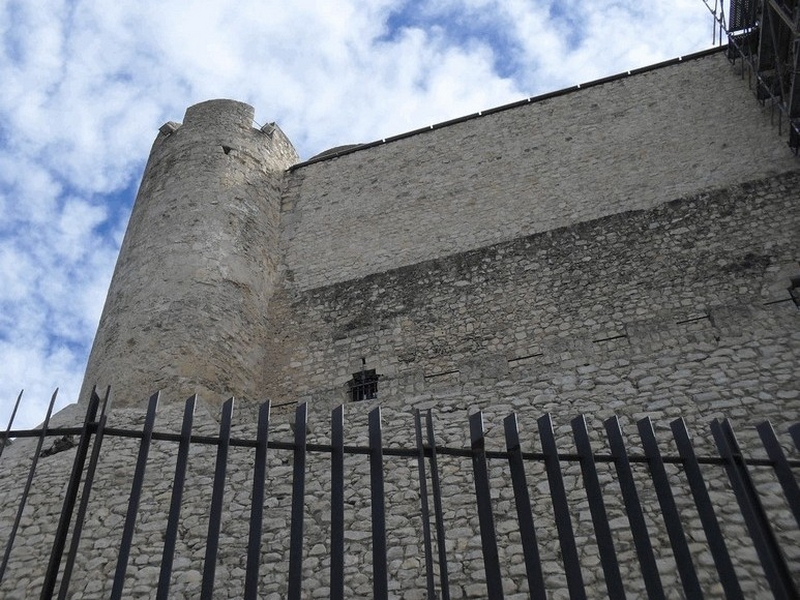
pixel 298 501
pixel 5 439
pixel 217 498
pixel 337 503
pixel 672 518
pixel 633 508
pixel 257 504
pixel 171 533
pixel 380 581
pixel 775 568
pixel 705 509
pixel 436 488
pixel 527 531
pixel 83 506
pixel 782 469
pixel 491 560
pixel 26 490
pixel 71 495
pixel 566 537
pixel 134 498
pixel 594 494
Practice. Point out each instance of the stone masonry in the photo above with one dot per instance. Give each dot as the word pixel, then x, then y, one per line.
pixel 626 248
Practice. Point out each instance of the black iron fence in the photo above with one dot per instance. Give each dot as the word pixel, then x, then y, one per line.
pixel 777 571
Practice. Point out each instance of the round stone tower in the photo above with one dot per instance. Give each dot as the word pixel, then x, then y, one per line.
pixel 186 309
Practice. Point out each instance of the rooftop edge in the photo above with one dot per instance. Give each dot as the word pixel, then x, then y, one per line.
pixel 352 148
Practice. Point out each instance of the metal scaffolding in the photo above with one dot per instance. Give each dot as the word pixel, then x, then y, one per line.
pixel 765 36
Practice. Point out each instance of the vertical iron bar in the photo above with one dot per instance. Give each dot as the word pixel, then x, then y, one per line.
pixel 134 498
pixel 83 506
pixel 569 551
pixel 782 468
pixel 380 582
pixel 794 431
pixel 71 495
pixel 594 494
pixel 257 504
pixel 527 532
pixel 26 490
pixel 337 503
pixel 171 534
pixel 423 501
pixel 480 471
pixel 641 539
pixel 436 489
pixel 672 518
pixel 217 497
pixel 298 501
pixel 775 568
pixel 4 439
pixel 716 542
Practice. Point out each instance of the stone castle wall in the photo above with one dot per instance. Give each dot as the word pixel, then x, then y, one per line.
pixel 624 249
pixel 627 144
pixel 680 309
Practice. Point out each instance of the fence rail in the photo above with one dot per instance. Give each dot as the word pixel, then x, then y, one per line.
pixel 427 452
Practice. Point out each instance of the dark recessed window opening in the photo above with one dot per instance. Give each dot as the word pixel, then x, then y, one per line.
pixel 364 385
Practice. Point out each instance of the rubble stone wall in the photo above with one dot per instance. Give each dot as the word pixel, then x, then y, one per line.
pixel 627 144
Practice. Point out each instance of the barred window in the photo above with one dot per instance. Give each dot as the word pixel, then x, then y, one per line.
pixel 364 385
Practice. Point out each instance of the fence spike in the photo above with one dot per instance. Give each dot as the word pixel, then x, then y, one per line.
pixel 633 508
pixel 27 488
pixel 134 498
pixel 778 574
pixel 173 520
pixel 60 540
pixel 569 551
pixel 423 504
pixel 436 489
pixel 794 431
pixel 491 560
pixel 257 504
pixel 380 581
pixel 337 503
pixel 594 495
pixel 527 531
pixel 782 469
pixel 705 510
pixel 669 511
pixel 83 506
pixel 5 439
pixel 217 497
pixel 298 501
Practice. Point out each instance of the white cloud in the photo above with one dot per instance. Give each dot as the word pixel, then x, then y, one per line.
pixel 86 83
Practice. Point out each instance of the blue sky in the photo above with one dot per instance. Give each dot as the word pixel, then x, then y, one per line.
pixel 86 84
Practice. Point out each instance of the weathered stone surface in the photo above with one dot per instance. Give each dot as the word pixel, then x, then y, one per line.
pixel 186 311
pixel 632 263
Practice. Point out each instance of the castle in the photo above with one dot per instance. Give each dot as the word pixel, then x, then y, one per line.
pixel 627 247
